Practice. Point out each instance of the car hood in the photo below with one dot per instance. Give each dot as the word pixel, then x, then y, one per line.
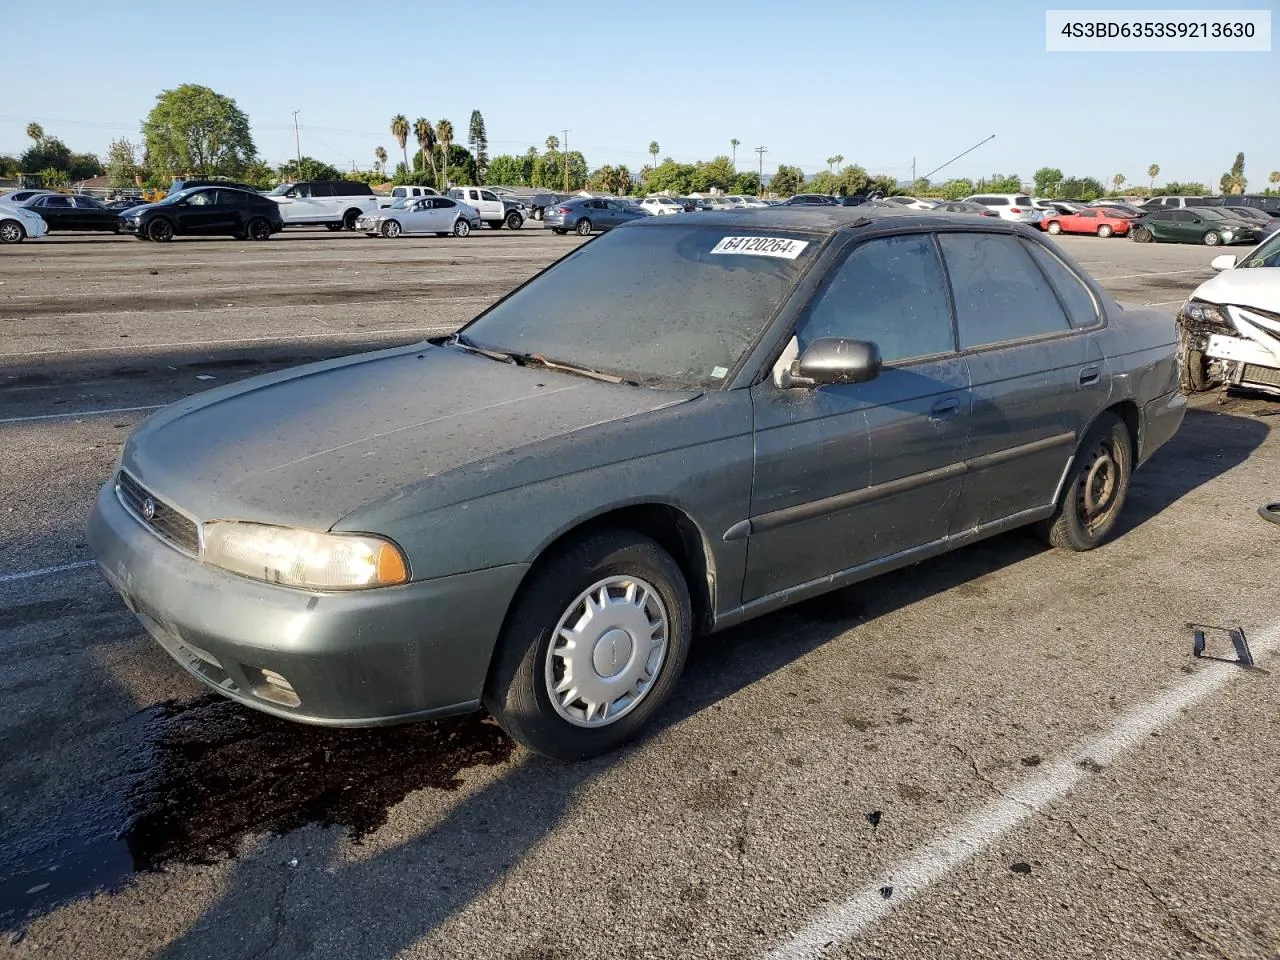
pixel 308 446
pixel 1257 287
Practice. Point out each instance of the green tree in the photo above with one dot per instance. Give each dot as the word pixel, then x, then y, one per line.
pixel 444 134
pixel 1091 189
pixel 400 130
pixel 831 165
pixel 646 175
pixel 1234 181
pixel 49 152
pixel 308 168
pixel 1188 189
pixel 425 134
pixel 123 167
pixel 1117 181
pixel 193 129
pixel 1001 183
pixel 553 143
pixel 654 150
pixel 920 187
pixel 54 178
pixel 507 170
pixel 601 179
pixel 82 166
pixel 380 160
pixel 747 184
pixel 461 167
pixel 674 178
pixel 9 166
pixel 960 188
pixel 622 179
pixel 1046 181
pixel 786 181
pixel 35 131
pixel 824 181
pixel 260 175
pixel 478 139
pixel 734 144
pixel 1153 171
pixel 717 173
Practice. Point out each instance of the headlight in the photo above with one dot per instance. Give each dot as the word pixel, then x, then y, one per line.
pixel 1206 313
pixel 303 558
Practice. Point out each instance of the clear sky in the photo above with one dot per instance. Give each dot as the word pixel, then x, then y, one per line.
pixel 879 84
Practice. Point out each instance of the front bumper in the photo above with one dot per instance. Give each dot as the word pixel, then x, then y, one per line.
pixel 355 658
pixel 130 226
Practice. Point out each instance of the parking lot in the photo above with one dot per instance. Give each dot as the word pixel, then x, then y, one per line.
pixel 1005 752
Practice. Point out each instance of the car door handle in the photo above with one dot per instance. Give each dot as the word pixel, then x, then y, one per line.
pixel 1089 376
pixel 945 409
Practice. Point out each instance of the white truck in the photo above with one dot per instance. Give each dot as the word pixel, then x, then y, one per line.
pixel 337 204
pixel 402 191
pixel 494 210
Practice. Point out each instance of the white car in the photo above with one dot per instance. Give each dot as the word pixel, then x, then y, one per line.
pixel 409 216
pixel 1010 206
pixel 1229 329
pixel 22 196
pixel 494 210
pixel 18 223
pixel 912 203
pixel 337 204
pixel 663 206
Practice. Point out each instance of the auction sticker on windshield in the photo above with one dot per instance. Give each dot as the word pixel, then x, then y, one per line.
pixel 762 247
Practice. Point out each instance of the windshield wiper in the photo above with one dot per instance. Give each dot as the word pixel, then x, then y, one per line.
pixel 458 340
pixel 542 361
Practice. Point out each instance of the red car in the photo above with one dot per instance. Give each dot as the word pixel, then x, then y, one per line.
pixel 1092 220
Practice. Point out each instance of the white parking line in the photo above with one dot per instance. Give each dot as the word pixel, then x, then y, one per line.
pixel 81 413
pixel 1019 803
pixel 45 571
pixel 1166 273
pixel 138 347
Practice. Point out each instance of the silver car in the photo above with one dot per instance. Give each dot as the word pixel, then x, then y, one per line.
pixel 418 216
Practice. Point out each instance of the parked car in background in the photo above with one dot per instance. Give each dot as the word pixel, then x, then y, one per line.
pixel 1008 206
pixel 205 211
pixel 1099 221
pixel 19 197
pixel 961 206
pixel 1178 203
pixel 124 203
pixel 539 203
pixel 1229 328
pixel 417 216
pixel 494 210
pixel 1208 225
pixel 179 184
pixel 667 432
pixel 811 200
pixel 1269 203
pixel 19 223
pixel 81 214
pixel 1266 222
pixel 662 206
pixel 911 203
pixel 402 191
pixel 585 215
pixel 698 205
pixel 1117 208
pixel 1047 207
pixel 337 204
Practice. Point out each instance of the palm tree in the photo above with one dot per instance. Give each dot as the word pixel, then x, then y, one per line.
pixel 426 138
pixel 622 179
pixel 735 143
pixel 400 130
pixel 838 158
pixel 444 133
pixel 381 156
pixel 1275 176
pixel 645 173
pixel 35 132
pixel 1153 171
pixel 553 143
pixel 654 150
pixel 1117 180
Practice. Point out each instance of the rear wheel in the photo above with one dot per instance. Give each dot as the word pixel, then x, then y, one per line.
pixel 1096 486
pixel 494 224
pixel 593 646
pixel 514 221
pixel 1212 238
pixel 461 228
pixel 258 229
pixel 11 231
pixel 160 230
pixel 1142 235
pixel 584 227
pixel 349 219
pixel 391 229
pixel 1054 227
pixel 1105 231
pixel 558 231
pixel 333 226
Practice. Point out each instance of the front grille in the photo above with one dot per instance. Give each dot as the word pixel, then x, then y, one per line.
pixel 167 523
pixel 1253 373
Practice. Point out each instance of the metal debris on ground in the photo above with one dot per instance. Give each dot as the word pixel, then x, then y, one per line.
pixel 1239 644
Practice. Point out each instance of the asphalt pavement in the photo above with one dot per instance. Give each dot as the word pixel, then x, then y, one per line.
pixel 1006 752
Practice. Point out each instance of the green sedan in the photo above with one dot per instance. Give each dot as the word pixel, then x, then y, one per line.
pixel 1208 225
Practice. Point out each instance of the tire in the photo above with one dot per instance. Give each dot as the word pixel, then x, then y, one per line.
pixel 537 214
pixel 1101 471
pixel 349 219
pixel 514 221
pixel 461 228
pixel 1105 231
pixel 258 229
pixel 1142 235
pixel 11 231
pixel 531 661
pixel 1054 227
pixel 558 231
pixel 160 230
pixel 1193 370
pixel 583 228
pixel 333 226
pixel 493 224
pixel 391 229
pixel 1212 238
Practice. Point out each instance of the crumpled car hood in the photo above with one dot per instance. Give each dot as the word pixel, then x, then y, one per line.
pixel 307 446
pixel 1257 287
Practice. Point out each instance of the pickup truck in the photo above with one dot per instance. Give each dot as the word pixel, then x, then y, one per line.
pixel 406 190
pixel 494 210
pixel 337 204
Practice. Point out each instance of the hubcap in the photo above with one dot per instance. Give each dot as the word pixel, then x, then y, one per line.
pixel 9 232
pixel 1098 489
pixel 606 652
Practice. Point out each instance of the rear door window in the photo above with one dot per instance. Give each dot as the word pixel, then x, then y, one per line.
pixel 1082 309
pixel 890 291
pixel 1000 294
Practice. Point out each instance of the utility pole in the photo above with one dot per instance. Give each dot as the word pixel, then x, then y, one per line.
pixel 762 151
pixel 566 161
pixel 913 169
pixel 297 144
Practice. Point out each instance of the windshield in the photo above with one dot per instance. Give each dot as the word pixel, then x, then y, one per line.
pixel 281 190
pixel 180 195
pixel 402 203
pixel 1266 254
pixel 678 305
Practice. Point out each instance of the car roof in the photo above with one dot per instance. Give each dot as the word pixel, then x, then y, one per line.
pixel 823 220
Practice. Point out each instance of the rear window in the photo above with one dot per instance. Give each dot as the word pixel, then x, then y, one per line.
pixel 1022 201
pixel 1196 202
pixel 991 201
pixel 677 304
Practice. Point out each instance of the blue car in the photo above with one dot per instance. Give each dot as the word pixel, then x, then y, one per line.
pixel 583 215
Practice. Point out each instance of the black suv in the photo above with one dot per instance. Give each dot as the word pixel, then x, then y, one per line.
pixel 243 214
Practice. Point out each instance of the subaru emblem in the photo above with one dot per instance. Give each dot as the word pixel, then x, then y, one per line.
pixel 148 509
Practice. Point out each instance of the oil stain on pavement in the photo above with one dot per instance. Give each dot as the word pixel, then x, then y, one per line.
pixel 204 773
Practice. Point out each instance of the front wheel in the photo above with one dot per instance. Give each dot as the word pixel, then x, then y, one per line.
pixel 349 219
pixel 258 229
pixel 391 229
pixel 1054 227
pixel 461 228
pixel 584 227
pixel 514 221
pixel 333 226
pixel 1096 487
pixel 1142 235
pixel 494 224
pixel 1212 238
pixel 1105 231
pixel 592 647
pixel 11 231
pixel 558 231
pixel 160 230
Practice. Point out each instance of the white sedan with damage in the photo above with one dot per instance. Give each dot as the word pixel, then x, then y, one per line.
pixel 421 216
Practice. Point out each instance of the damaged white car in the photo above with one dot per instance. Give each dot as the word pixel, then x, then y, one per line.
pixel 1229 329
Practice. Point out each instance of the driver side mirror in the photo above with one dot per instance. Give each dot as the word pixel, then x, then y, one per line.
pixel 1224 262
pixel 835 360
